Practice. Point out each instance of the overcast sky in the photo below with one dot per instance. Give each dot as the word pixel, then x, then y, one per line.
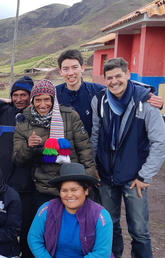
pixel 8 7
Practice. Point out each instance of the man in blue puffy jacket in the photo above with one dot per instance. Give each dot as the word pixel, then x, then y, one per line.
pixel 128 138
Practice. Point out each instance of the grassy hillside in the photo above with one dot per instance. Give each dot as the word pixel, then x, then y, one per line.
pixel 42 61
pixel 53 28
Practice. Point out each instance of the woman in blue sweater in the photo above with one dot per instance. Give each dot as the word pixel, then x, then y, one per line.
pixel 72 225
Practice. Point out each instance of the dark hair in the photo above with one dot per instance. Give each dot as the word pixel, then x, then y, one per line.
pixel 115 63
pixel 84 185
pixel 70 54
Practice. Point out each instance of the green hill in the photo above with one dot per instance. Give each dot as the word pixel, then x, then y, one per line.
pixel 45 32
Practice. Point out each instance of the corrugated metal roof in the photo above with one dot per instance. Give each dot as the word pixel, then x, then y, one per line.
pixel 101 40
pixel 156 7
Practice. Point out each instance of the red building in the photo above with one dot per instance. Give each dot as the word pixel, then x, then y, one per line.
pixel 104 49
pixel 140 39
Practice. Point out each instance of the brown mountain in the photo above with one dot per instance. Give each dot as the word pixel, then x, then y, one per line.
pixel 55 27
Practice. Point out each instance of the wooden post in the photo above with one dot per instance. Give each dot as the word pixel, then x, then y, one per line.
pixel 14 44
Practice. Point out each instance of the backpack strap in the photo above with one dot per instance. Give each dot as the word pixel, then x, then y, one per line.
pixel 100 98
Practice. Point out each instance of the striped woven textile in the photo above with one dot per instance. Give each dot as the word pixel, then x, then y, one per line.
pixel 57 125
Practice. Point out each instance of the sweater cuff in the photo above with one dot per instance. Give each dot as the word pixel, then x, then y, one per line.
pixel 140 178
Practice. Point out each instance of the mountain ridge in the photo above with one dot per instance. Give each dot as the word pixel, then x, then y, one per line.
pixel 56 27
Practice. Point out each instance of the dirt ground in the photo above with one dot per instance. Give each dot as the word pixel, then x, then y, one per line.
pixel 156 197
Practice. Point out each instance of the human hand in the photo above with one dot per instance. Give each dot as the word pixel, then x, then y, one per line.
pixel 34 140
pixel 155 101
pixel 139 186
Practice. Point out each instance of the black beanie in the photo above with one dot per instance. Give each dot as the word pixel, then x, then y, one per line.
pixel 23 83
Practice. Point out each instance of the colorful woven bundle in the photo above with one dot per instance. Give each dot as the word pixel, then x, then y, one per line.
pixel 55 147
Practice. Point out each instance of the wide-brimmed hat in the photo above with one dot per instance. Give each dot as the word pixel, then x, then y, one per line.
pixel 73 172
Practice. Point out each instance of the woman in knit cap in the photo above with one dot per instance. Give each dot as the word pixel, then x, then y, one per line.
pixel 48 136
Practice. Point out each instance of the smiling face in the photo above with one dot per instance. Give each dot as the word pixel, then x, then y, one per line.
pixel 20 99
pixel 72 195
pixel 71 71
pixel 116 80
pixel 43 104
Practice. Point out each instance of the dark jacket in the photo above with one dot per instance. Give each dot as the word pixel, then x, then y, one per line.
pixel 89 212
pixel 43 172
pixel 10 222
pixel 141 141
pixel 80 100
pixel 16 176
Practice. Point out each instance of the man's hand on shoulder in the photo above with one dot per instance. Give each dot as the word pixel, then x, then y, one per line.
pixel 155 101
pixel 139 186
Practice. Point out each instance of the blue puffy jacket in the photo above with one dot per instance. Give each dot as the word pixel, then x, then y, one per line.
pixel 141 148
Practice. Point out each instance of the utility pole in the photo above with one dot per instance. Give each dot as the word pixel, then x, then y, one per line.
pixel 14 44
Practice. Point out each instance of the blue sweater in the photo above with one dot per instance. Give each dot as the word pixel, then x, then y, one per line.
pixel 103 240
pixel 68 244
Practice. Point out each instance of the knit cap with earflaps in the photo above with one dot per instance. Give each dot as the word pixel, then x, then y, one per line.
pixel 41 88
pixel 56 148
